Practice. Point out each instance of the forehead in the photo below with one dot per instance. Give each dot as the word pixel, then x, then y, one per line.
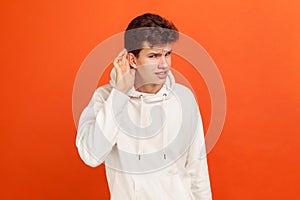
pixel 147 48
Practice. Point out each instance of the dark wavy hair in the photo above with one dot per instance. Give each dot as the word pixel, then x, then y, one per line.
pixel 150 28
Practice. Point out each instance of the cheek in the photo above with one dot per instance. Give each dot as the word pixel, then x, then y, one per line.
pixel 145 62
pixel 148 64
pixel 146 67
pixel 169 61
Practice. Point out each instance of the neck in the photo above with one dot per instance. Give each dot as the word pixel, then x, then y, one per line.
pixel 150 88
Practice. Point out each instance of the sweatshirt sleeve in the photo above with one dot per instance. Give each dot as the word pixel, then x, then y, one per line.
pixel 196 166
pixel 98 130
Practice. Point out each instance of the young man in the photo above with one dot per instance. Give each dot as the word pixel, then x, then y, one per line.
pixel 144 126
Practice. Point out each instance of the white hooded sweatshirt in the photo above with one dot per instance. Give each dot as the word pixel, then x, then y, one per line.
pixel 152 144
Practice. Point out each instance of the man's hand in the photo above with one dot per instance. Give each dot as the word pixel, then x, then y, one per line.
pixel 124 75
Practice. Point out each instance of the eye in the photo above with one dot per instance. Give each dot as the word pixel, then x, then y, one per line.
pixel 168 54
pixel 153 55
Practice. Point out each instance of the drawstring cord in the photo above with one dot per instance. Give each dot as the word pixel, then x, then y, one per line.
pixel 141 118
pixel 164 130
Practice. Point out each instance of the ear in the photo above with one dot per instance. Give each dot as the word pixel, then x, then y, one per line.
pixel 132 60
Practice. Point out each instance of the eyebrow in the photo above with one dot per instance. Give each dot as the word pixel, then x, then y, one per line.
pixel 158 53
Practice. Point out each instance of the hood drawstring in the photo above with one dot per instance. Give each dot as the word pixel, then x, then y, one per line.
pixel 164 129
pixel 164 134
pixel 141 118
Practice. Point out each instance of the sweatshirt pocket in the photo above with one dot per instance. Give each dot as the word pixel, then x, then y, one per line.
pixel 164 187
pixel 176 187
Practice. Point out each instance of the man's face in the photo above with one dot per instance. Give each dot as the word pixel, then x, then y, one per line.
pixel 153 64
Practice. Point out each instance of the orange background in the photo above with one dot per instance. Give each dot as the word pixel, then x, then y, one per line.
pixel 254 43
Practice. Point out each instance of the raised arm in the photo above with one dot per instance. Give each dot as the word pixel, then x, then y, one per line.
pixel 97 130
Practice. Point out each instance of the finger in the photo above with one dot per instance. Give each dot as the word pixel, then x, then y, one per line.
pixel 124 63
pixel 123 59
pixel 116 63
pixel 119 57
pixel 124 51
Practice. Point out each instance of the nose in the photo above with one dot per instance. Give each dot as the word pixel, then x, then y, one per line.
pixel 163 62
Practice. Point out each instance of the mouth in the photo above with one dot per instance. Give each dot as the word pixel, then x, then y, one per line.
pixel 162 74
